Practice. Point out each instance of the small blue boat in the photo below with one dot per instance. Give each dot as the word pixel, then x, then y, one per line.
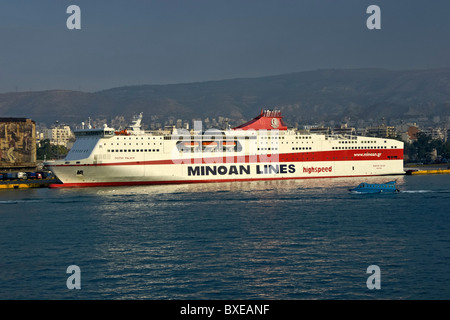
pixel 388 187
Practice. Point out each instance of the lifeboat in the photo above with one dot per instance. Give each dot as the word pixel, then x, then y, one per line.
pixel 229 143
pixel 122 133
pixel 190 144
pixel 209 144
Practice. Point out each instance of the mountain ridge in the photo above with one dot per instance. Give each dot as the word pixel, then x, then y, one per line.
pixel 308 96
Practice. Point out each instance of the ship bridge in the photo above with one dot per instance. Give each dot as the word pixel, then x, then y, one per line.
pixel 104 132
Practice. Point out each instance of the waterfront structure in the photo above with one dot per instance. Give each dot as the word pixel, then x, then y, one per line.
pixel 17 143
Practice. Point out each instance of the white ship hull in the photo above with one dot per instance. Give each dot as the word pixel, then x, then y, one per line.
pixel 105 175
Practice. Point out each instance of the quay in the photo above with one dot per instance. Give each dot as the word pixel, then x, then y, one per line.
pixel 427 169
pixel 25 184
pixel 22 180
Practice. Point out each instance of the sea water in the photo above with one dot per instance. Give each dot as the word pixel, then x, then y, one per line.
pixel 296 239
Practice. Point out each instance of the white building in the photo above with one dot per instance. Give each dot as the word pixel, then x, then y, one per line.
pixel 435 133
pixel 60 135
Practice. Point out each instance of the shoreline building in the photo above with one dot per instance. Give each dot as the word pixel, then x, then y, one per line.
pixel 60 135
pixel 17 143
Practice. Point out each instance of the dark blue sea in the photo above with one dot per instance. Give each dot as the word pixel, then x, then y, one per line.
pixel 284 240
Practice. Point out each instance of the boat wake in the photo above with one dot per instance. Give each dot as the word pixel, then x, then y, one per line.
pixel 19 201
pixel 372 193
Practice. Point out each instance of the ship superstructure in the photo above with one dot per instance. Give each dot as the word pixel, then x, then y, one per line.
pixel 261 149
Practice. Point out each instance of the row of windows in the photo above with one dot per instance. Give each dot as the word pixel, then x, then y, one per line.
pixel 262 137
pixel 370 141
pixel 132 150
pixel 287 142
pixel 362 147
pixel 359 147
pixel 301 148
pixel 124 144
pixel 270 137
pixel 137 138
pixel 276 137
pixel 79 151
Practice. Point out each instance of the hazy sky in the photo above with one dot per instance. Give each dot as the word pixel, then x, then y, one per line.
pixel 128 42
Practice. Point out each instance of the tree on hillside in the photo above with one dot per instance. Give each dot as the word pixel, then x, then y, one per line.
pixel 446 150
pixel 46 151
pixel 424 146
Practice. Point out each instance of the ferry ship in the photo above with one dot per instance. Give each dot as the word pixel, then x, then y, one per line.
pixel 261 149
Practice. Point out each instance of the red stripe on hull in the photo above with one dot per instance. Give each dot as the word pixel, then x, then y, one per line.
pixel 336 155
pixel 138 183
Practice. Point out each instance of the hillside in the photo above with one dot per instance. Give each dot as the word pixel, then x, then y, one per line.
pixel 303 97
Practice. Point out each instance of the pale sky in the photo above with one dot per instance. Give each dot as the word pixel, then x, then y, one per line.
pixel 137 42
